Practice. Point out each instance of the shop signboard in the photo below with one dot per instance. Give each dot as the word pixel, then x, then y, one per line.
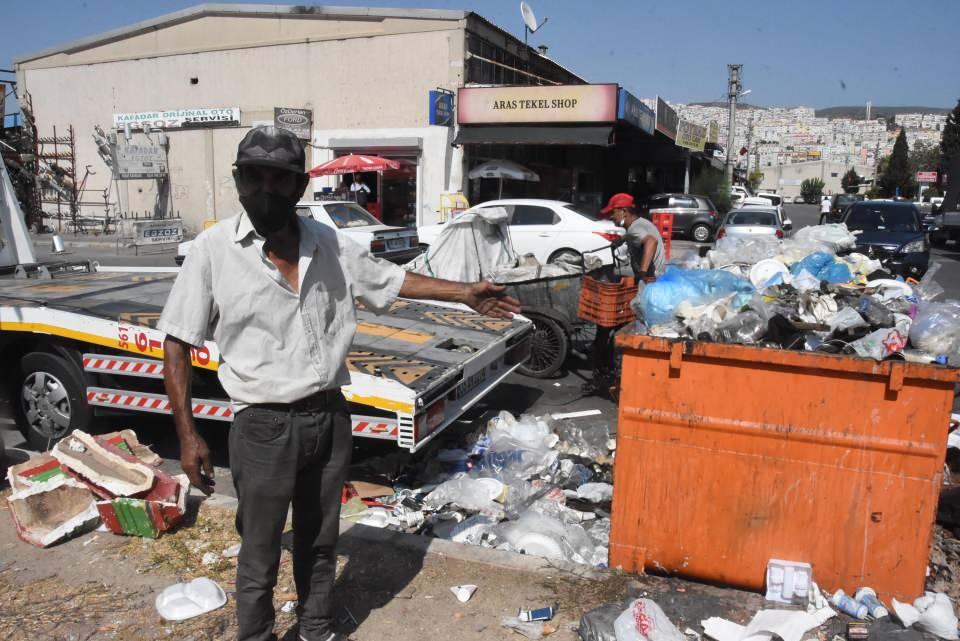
pixel 441 108
pixel 926 177
pixel 179 118
pixel 631 109
pixel 537 104
pixel 713 132
pixel 140 161
pixel 297 121
pixel 691 136
pixel 157 232
pixel 667 119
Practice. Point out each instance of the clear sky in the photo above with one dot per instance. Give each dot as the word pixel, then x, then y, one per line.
pixel 817 53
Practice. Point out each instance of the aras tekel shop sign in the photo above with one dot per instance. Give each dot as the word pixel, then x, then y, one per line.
pixel 535 104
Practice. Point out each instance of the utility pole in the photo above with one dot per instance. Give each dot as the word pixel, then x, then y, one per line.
pixel 733 90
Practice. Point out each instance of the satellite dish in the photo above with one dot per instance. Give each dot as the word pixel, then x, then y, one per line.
pixel 529 20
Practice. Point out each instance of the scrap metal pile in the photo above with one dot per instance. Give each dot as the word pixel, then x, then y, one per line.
pixel 87 478
pixel 809 292
pixel 535 485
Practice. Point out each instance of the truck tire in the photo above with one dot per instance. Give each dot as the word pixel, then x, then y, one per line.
pixel 548 348
pixel 50 399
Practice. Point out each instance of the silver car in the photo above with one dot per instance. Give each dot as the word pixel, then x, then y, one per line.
pixel 751 222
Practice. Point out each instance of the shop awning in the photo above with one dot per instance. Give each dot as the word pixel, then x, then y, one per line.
pixel 521 135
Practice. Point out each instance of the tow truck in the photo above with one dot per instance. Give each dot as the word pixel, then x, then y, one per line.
pixel 78 339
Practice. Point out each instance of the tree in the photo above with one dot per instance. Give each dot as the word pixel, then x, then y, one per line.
pixel 950 140
pixel 712 184
pixel 850 182
pixel 755 178
pixel 812 189
pixel 897 177
pixel 924 156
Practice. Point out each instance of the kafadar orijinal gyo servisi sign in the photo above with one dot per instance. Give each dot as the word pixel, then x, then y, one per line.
pixel 180 118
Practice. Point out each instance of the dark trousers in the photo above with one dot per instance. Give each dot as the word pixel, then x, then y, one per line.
pixel 278 457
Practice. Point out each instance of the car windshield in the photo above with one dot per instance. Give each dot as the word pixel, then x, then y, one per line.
pixel 583 211
pixel 348 215
pixel 846 199
pixel 752 217
pixel 880 218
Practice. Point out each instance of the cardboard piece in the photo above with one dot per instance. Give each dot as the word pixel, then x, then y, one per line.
pixel 106 469
pixel 48 512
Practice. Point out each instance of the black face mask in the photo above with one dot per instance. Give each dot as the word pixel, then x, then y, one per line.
pixel 269 212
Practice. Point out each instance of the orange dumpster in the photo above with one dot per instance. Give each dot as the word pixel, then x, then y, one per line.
pixel 730 455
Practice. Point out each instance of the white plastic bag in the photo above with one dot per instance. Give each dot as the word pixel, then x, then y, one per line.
pixel 643 620
pixel 936 328
pixel 937 616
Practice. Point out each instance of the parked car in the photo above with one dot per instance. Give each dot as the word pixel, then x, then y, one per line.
pixel 551 230
pixel 799 200
pixel 396 244
pixel 751 221
pixel 694 217
pixel 738 193
pixel 838 205
pixel 892 233
pixel 763 202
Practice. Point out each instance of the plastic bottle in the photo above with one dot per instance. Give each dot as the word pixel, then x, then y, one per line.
pixel 849 606
pixel 867 597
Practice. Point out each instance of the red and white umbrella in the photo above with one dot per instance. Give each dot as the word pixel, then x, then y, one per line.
pixel 353 163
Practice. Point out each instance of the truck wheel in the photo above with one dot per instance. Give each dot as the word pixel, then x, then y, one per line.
pixel 700 233
pixel 548 348
pixel 51 399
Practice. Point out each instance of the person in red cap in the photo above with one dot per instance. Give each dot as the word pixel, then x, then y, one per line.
pixel 643 239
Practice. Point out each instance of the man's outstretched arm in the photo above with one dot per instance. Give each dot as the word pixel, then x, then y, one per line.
pixel 486 298
pixel 177 379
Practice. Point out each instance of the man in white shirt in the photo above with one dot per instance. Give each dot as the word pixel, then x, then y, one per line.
pixel 360 191
pixel 278 292
pixel 824 209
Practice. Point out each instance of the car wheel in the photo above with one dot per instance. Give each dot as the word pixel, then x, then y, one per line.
pixel 700 233
pixel 566 256
pixel 51 399
pixel 548 348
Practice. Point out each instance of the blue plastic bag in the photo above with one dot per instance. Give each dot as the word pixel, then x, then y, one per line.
pixel 824 266
pixel 699 286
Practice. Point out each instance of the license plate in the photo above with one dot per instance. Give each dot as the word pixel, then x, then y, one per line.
pixel 396 243
pixel 468 385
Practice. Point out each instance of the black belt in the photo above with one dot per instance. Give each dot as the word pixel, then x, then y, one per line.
pixel 322 400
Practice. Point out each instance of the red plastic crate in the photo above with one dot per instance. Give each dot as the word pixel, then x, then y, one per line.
pixel 606 304
pixel 664 222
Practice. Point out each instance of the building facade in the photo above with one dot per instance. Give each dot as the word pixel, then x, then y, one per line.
pixel 200 78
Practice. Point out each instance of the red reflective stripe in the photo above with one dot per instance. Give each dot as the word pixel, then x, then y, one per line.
pixel 213 410
pixel 124 365
pixel 394 431
pixel 129 399
pixel 228 412
pixel 91 395
pixel 86 362
pixel 143 401
pixel 137 366
pixel 360 427
pixel 157 402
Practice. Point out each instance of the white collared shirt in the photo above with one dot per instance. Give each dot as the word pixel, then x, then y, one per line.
pixel 276 346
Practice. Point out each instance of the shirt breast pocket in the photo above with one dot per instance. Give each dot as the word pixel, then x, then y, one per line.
pixel 333 305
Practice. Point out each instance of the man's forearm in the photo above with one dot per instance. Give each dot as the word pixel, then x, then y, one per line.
pixel 649 247
pixel 177 379
pixel 424 287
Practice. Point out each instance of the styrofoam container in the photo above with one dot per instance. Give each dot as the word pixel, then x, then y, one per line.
pixel 187 600
pixel 764 270
pixel 788 581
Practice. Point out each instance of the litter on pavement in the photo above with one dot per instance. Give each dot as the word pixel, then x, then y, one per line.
pixel 808 292
pixel 535 485
pixel 183 601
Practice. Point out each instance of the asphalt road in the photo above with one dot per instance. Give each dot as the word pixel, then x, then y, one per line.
pixel 517 394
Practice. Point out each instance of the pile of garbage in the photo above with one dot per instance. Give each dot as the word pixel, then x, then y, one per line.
pixel 809 292
pixel 85 479
pixel 536 485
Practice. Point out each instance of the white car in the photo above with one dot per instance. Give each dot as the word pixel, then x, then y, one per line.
pixel 738 194
pixel 551 230
pixel 765 202
pixel 396 244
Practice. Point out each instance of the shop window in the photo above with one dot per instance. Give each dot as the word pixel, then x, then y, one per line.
pixel 533 215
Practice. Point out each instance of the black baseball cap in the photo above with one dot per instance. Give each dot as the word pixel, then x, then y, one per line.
pixel 271 147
